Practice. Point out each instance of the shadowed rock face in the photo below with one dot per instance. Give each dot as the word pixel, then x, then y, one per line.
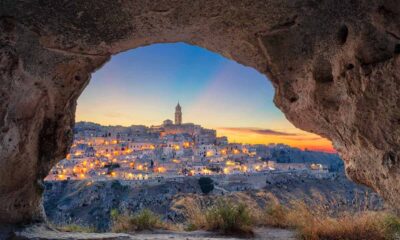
pixel 334 65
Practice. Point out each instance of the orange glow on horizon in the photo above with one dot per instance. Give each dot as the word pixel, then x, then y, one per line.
pixel 300 139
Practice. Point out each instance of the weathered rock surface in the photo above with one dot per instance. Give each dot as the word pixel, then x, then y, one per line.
pixel 334 64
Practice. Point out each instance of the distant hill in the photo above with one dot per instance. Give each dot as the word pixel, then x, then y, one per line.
pixel 295 155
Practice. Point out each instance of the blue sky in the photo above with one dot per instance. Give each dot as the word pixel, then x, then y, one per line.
pixel 143 85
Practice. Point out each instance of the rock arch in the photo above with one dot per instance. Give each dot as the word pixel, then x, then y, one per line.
pixel 334 64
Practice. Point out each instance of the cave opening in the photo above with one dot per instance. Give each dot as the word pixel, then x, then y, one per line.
pixel 127 156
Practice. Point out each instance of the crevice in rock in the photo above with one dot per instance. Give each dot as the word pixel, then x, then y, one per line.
pixel 342 34
pixel 322 71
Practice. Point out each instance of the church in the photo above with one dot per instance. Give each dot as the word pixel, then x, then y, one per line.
pixel 199 134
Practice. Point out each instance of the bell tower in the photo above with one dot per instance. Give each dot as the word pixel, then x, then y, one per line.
pixel 178 114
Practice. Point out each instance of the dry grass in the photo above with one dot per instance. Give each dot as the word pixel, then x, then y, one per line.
pixel 223 216
pixel 143 220
pixel 315 223
pixel 239 213
pixel 191 208
pixel 276 216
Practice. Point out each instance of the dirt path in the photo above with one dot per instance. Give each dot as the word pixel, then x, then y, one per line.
pixel 45 233
pixel 262 233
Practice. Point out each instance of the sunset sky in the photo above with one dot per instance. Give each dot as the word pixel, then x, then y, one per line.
pixel 142 86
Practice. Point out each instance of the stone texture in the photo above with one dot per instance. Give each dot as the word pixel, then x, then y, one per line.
pixel 334 65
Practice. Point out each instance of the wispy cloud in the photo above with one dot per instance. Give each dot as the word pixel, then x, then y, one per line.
pixel 260 131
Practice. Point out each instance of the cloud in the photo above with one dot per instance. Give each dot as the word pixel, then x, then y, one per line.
pixel 307 138
pixel 259 131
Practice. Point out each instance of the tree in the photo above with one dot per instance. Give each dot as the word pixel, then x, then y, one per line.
pixel 206 184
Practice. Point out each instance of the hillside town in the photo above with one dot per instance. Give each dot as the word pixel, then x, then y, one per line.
pixel 171 149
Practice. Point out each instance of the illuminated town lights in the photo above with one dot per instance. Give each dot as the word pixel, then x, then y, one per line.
pixel 127 151
pixel 230 163
pixel 206 171
pixel 78 153
pixel 226 171
pixel 160 169
pixel 209 153
pixel 61 177
pixel 176 161
pixel 140 167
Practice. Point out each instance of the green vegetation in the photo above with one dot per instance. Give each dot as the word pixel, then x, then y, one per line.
pixel 143 220
pixel 230 218
pixel 224 216
pixel 76 228
pixel 206 184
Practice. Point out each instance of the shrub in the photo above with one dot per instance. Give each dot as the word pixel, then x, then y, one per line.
pixel 206 184
pixel 143 220
pixel 276 216
pixel 230 218
pixel 392 226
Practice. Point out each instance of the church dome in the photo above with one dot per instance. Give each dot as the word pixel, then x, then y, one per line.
pixel 167 122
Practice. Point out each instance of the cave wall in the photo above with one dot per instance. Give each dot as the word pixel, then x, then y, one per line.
pixel 334 65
